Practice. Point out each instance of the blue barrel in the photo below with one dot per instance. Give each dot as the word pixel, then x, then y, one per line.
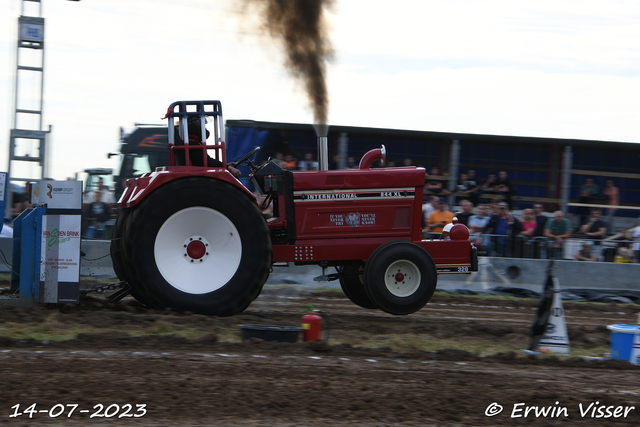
pixel 622 340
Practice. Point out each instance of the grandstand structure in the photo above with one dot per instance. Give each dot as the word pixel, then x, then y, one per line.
pixel 541 170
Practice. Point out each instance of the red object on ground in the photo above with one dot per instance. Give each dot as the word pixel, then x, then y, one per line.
pixel 312 325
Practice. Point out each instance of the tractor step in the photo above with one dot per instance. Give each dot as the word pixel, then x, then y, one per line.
pixel 281 264
pixel 327 277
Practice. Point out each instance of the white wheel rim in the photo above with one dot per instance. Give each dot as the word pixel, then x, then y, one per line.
pixel 195 271
pixel 402 278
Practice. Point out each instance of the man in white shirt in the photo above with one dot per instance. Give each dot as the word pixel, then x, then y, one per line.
pixel 308 164
pixel 429 207
pixel 107 195
pixel 476 225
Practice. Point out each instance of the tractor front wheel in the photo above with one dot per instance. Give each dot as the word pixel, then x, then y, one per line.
pixel 400 277
pixel 200 245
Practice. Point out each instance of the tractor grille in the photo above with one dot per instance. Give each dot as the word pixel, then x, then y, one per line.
pixel 335 181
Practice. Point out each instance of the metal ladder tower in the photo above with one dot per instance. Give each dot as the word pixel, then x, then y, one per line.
pixel 27 130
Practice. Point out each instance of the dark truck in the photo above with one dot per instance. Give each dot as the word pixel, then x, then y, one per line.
pixel 145 148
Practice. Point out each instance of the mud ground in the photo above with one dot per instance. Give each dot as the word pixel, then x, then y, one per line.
pixel 205 381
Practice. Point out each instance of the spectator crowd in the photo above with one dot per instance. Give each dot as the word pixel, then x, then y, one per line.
pixel 496 230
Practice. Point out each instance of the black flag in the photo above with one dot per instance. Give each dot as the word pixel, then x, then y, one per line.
pixel 540 321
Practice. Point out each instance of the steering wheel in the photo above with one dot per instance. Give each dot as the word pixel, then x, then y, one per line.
pixel 246 157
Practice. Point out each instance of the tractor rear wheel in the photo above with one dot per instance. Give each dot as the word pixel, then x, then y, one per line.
pixel 120 258
pixel 400 277
pixel 200 245
pixel 117 253
pixel 352 285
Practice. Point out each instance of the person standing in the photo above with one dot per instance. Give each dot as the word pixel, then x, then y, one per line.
pixel 504 187
pixel 108 196
pixel 612 193
pixel 541 220
pixel 493 207
pixel 474 195
pixel 476 226
pixel 428 208
pixel 439 218
pixel 636 243
pixel 308 163
pixel 529 224
pixel 503 226
pixel 489 185
pixel 588 191
pixel 586 253
pixel 588 194
pixel 463 189
pixel 278 159
pixel 557 230
pixel 434 183
pixel 466 213
pixel 20 200
pixel 99 214
pixel 594 228
pixel 290 162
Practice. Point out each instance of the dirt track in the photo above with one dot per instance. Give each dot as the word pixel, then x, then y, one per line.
pixel 203 381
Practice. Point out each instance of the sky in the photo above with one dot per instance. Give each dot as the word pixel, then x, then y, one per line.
pixel 560 69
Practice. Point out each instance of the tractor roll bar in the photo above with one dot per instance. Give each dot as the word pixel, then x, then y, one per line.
pixel 183 110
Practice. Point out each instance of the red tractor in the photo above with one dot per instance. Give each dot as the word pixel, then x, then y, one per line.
pixel 191 237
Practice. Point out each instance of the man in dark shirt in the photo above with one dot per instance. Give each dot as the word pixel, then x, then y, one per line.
pixel 541 220
pixel 196 155
pixel 594 228
pixel 504 187
pixel 467 211
pixel 474 194
pixel 435 183
pixel 503 226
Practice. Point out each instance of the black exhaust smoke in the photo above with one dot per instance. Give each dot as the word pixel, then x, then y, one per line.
pixel 301 26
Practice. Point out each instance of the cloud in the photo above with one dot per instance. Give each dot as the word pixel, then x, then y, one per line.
pixel 493 101
pixel 549 36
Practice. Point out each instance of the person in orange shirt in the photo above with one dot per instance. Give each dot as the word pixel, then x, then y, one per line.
pixel 290 162
pixel 439 218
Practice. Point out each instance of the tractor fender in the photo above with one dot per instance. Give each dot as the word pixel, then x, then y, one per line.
pixel 138 188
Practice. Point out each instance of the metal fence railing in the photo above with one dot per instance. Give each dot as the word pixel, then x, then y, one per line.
pixel 606 250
